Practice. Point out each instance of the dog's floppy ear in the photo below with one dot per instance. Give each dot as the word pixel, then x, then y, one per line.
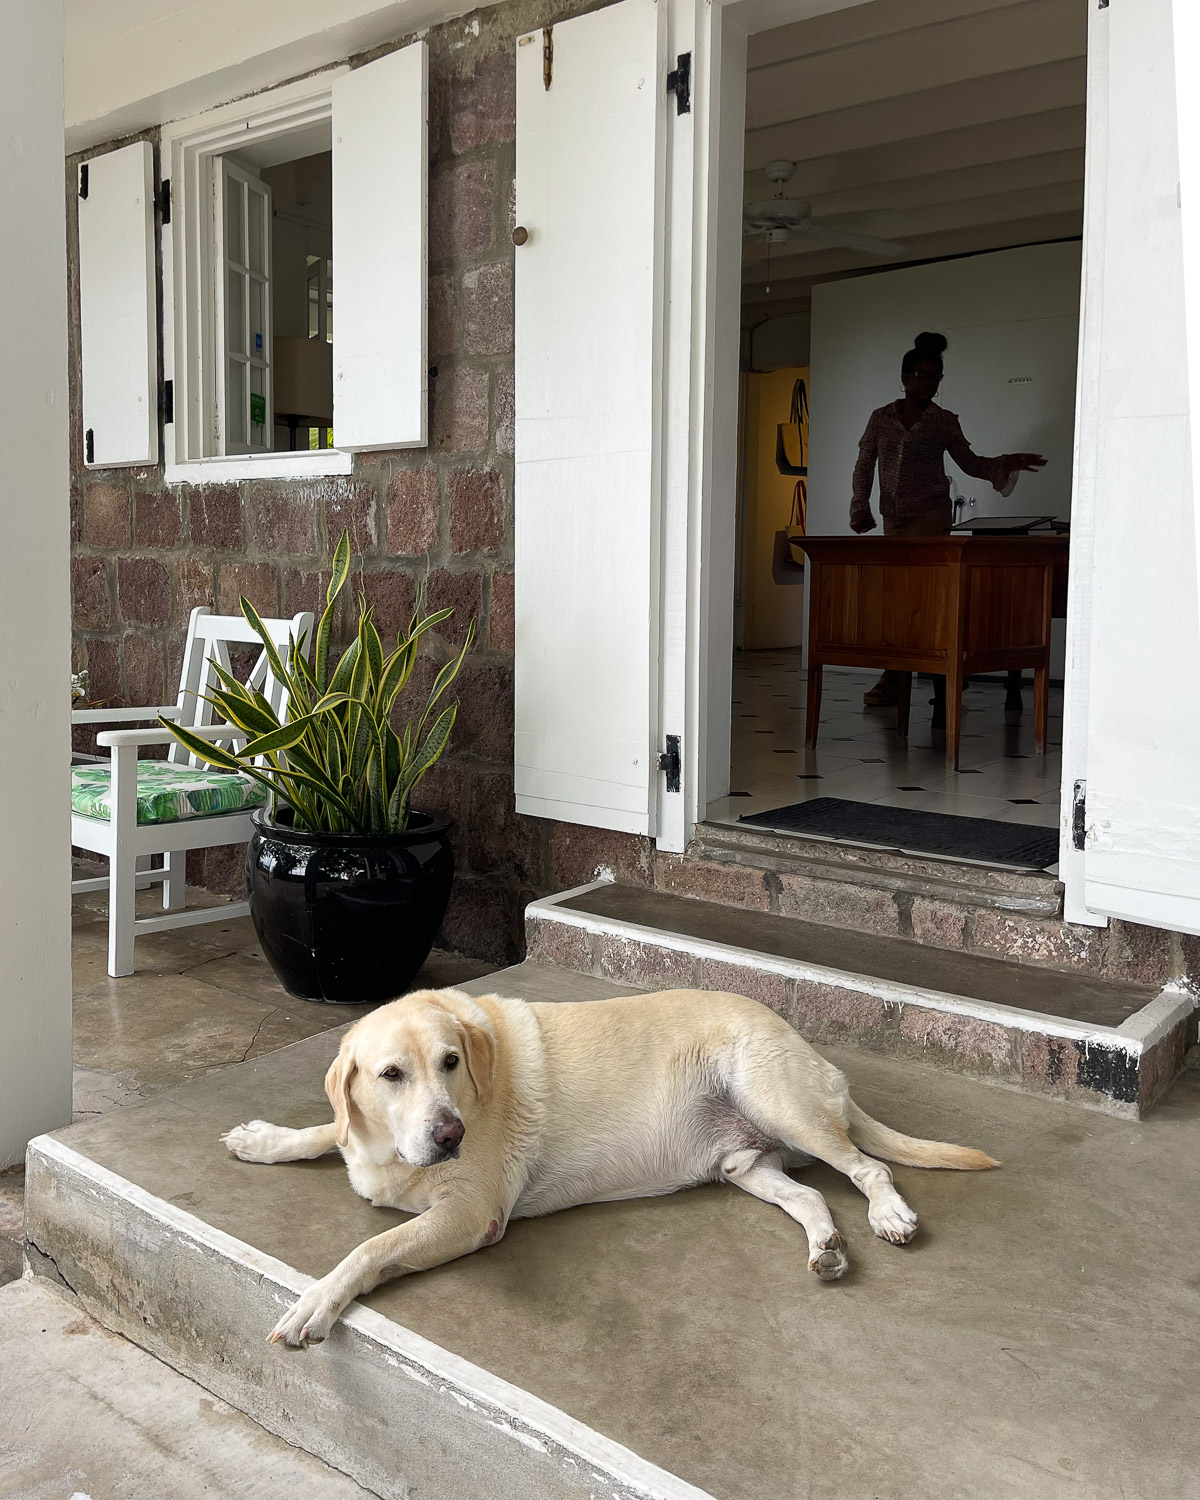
pixel 479 1050
pixel 337 1086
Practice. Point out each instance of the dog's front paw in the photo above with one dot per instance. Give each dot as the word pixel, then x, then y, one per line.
pixel 257 1141
pixel 308 1321
pixel 893 1220
pixel 829 1261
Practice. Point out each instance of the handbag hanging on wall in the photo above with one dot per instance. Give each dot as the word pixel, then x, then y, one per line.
pixel 786 564
pixel 791 437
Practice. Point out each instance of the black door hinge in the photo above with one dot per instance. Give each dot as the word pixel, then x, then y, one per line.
pixel 164 200
pixel 89 446
pixel 670 762
pixel 83 180
pixel 168 400
pixel 679 83
pixel 1079 815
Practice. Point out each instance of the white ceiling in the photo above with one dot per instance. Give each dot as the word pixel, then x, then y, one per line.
pixel 131 64
pixel 951 126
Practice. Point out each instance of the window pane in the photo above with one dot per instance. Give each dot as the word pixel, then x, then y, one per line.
pixel 314 308
pixel 235 313
pixel 258 327
pixel 329 307
pixel 258 407
pixel 255 207
pixel 234 236
pixel 235 402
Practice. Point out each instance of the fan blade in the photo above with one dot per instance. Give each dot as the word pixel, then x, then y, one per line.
pixel 818 234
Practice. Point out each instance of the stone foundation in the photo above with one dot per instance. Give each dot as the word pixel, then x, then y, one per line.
pixel 1120 1070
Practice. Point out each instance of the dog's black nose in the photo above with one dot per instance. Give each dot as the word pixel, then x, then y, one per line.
pixel 448 1133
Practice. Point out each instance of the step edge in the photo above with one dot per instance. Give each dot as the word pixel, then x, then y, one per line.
pixel 513 1412
pixel 1177 1002
pixel 790 850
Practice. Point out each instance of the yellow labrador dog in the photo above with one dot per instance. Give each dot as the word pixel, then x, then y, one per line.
pixel 470 1112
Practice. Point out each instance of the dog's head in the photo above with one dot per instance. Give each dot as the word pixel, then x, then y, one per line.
pixel 410 1077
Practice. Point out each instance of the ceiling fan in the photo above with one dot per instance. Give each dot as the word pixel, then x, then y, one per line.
pixel 782 221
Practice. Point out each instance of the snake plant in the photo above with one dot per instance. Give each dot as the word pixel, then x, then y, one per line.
pixel 336 762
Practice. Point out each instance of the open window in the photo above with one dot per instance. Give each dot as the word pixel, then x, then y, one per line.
pixel 261 200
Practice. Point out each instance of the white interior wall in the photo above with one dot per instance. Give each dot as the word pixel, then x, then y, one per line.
pixel 35 603
pixel 1012 321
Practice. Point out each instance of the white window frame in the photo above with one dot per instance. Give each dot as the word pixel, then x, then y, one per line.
pixel 189 149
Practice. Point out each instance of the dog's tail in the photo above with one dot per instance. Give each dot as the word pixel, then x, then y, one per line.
pixel 879 1140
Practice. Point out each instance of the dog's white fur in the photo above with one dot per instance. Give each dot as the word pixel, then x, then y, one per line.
pixel 578 1103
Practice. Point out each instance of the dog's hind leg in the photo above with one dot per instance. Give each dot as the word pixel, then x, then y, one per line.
pixel 781 1093
pixel 763 1177
pixel 259 1141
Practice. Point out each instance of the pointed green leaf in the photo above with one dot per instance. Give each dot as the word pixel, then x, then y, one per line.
pixel 321 649
pixel 274 660
pixel 341 568
pixel 205 750
pixel 280 739
pixel 340 681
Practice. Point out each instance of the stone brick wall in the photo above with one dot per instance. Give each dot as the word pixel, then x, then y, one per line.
pixel 144 553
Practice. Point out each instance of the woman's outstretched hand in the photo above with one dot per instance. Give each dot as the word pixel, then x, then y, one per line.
pixel 1024 463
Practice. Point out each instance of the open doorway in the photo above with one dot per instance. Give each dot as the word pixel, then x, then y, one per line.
pixel 927 167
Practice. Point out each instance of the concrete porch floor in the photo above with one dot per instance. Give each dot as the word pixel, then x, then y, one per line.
pixel 1034 1341
pixel 202 998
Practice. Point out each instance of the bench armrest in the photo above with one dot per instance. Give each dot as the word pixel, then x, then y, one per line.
pixel 123 715
pixel 118 738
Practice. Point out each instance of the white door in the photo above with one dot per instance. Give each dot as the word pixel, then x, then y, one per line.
pixel 589 194
pixel 1135 622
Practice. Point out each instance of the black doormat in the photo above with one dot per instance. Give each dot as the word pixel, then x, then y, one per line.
pixel 1016 844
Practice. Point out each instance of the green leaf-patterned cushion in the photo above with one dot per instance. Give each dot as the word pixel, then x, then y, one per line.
pixel 166 792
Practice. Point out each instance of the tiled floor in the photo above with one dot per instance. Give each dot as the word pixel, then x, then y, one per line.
pixel 860 756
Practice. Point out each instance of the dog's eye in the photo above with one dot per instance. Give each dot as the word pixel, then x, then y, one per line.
pixel 451 1062
pixel 392 1074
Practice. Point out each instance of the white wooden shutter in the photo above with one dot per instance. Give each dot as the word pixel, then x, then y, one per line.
pixel 117 307
pixel 588 364
pixel 1141 857
pixel 1185 18
pixel 380 215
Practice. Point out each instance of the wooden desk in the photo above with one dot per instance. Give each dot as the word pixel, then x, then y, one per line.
pixel 944 604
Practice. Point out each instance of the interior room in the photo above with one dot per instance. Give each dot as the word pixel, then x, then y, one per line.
pixel 908 168
pixel 275 303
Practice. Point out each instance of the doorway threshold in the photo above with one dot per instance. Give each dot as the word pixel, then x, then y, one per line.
pixel 979 882
pixel 911 832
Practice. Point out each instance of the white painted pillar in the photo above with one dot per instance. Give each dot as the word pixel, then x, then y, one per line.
pixel 35 600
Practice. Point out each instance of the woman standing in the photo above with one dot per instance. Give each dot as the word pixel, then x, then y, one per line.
pixel 908 440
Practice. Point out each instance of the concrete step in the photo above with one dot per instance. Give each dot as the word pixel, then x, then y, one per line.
pixel 942 903
pixel 85 1413
pixel 674 1346
pixel 145 1217
pixel 1111 1044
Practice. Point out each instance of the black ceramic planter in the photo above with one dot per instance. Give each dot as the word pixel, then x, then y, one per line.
pixel 348 918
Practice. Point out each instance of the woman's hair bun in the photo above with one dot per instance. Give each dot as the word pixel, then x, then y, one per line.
pixel 930 343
